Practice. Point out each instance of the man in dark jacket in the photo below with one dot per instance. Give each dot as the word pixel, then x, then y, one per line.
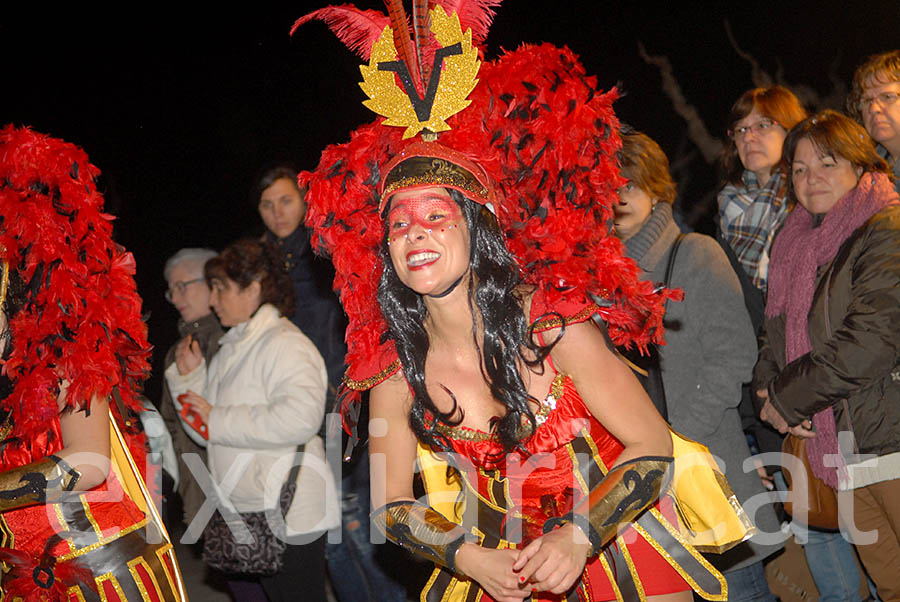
pixel 189 293
pixel 317 313
pixel 356 572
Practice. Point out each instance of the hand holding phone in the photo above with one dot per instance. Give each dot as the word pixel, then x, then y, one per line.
pixel 192 418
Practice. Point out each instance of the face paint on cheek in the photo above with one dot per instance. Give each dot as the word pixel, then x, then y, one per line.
pixel 430 213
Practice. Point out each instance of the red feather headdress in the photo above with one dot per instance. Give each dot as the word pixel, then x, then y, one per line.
pixel 547 138
pixel 81 321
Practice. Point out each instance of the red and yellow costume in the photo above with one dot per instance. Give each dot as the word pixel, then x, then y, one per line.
pixel 570 452
pixel 79 323
pixel 534 142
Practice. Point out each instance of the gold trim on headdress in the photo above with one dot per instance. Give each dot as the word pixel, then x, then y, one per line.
pixel 424 171
pixel 452 79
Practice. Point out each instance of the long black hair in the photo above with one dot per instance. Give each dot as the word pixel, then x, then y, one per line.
pixel 492 294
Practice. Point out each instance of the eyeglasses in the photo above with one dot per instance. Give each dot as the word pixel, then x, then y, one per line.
pixel 885 99
pixel 180 287
pixel 760 127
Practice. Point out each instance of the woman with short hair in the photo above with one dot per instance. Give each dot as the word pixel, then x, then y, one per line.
pixel 830 356
pixel 263 393
pixel 710 344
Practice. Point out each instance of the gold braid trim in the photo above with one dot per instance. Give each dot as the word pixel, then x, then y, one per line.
pixel 368 383
pixel 425 171
pixel 555 321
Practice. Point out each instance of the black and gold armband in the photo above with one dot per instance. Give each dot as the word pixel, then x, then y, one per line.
pixel 36 483
pixel 625 492
pixel 422 530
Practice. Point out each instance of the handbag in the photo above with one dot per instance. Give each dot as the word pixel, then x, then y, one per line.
pixel 819 501
pixel 259 552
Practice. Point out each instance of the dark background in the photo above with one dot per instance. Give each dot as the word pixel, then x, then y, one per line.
pixel 179 106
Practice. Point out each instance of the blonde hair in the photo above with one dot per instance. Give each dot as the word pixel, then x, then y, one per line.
pixel 884 68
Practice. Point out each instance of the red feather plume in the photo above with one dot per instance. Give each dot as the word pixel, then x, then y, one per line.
pixel 56 577
pixel 403 42
pixel 357 29
pixel 549 138
pixel 475 14
pixel 421 19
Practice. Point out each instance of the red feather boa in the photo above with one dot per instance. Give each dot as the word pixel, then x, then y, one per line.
pixel 82 322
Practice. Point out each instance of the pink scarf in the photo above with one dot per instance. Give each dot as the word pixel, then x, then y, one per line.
pixel 799 249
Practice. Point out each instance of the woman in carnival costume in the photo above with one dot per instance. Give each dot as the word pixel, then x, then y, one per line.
pixel 468 269
pixel 77 522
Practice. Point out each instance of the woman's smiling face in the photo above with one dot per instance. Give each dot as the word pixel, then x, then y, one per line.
pixel 428 239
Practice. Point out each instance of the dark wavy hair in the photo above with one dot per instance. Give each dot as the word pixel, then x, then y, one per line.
pixel 249 260
pixel 493 296
pixel 18 295
pixel 774 102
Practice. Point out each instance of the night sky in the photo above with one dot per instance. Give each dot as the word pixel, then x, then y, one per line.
pixel 179 107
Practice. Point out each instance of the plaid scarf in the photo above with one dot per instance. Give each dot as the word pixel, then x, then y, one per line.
pixel 749 217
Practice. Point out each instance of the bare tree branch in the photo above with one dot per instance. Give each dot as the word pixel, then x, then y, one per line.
pixel 709 145
pixel 759 75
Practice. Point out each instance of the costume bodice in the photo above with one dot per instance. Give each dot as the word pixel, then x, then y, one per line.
pixel 545 482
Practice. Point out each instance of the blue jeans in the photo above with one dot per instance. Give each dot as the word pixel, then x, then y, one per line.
pixel 356 574
pixel 832 563
pixel 748 584
pixel 831 560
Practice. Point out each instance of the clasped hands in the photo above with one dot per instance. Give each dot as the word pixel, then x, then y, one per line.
pixel 769 414
pixel 550 563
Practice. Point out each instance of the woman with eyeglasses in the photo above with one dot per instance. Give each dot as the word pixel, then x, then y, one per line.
pixel 753 201
pixel 753 205
pixel 200 332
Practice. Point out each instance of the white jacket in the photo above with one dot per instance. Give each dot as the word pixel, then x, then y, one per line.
pixel 267 387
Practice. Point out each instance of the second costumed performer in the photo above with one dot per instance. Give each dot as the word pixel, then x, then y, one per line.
pixel 77 523
pixel 466 267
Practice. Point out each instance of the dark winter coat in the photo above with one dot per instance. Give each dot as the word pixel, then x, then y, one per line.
pixel 854 329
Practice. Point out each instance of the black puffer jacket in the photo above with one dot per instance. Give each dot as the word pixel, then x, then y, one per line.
pixel 854 328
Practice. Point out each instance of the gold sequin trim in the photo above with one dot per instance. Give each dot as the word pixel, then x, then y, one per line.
pixel 115 583
pixel 368 383
pixel 611 576
pixel 168 569
pixel 139 581
pixel 638 584
pixel 90 516
pixel 75 590
pixel 673 531
pixel 555 321
pixel 102 542
pixel 63 525
pixel 546 407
